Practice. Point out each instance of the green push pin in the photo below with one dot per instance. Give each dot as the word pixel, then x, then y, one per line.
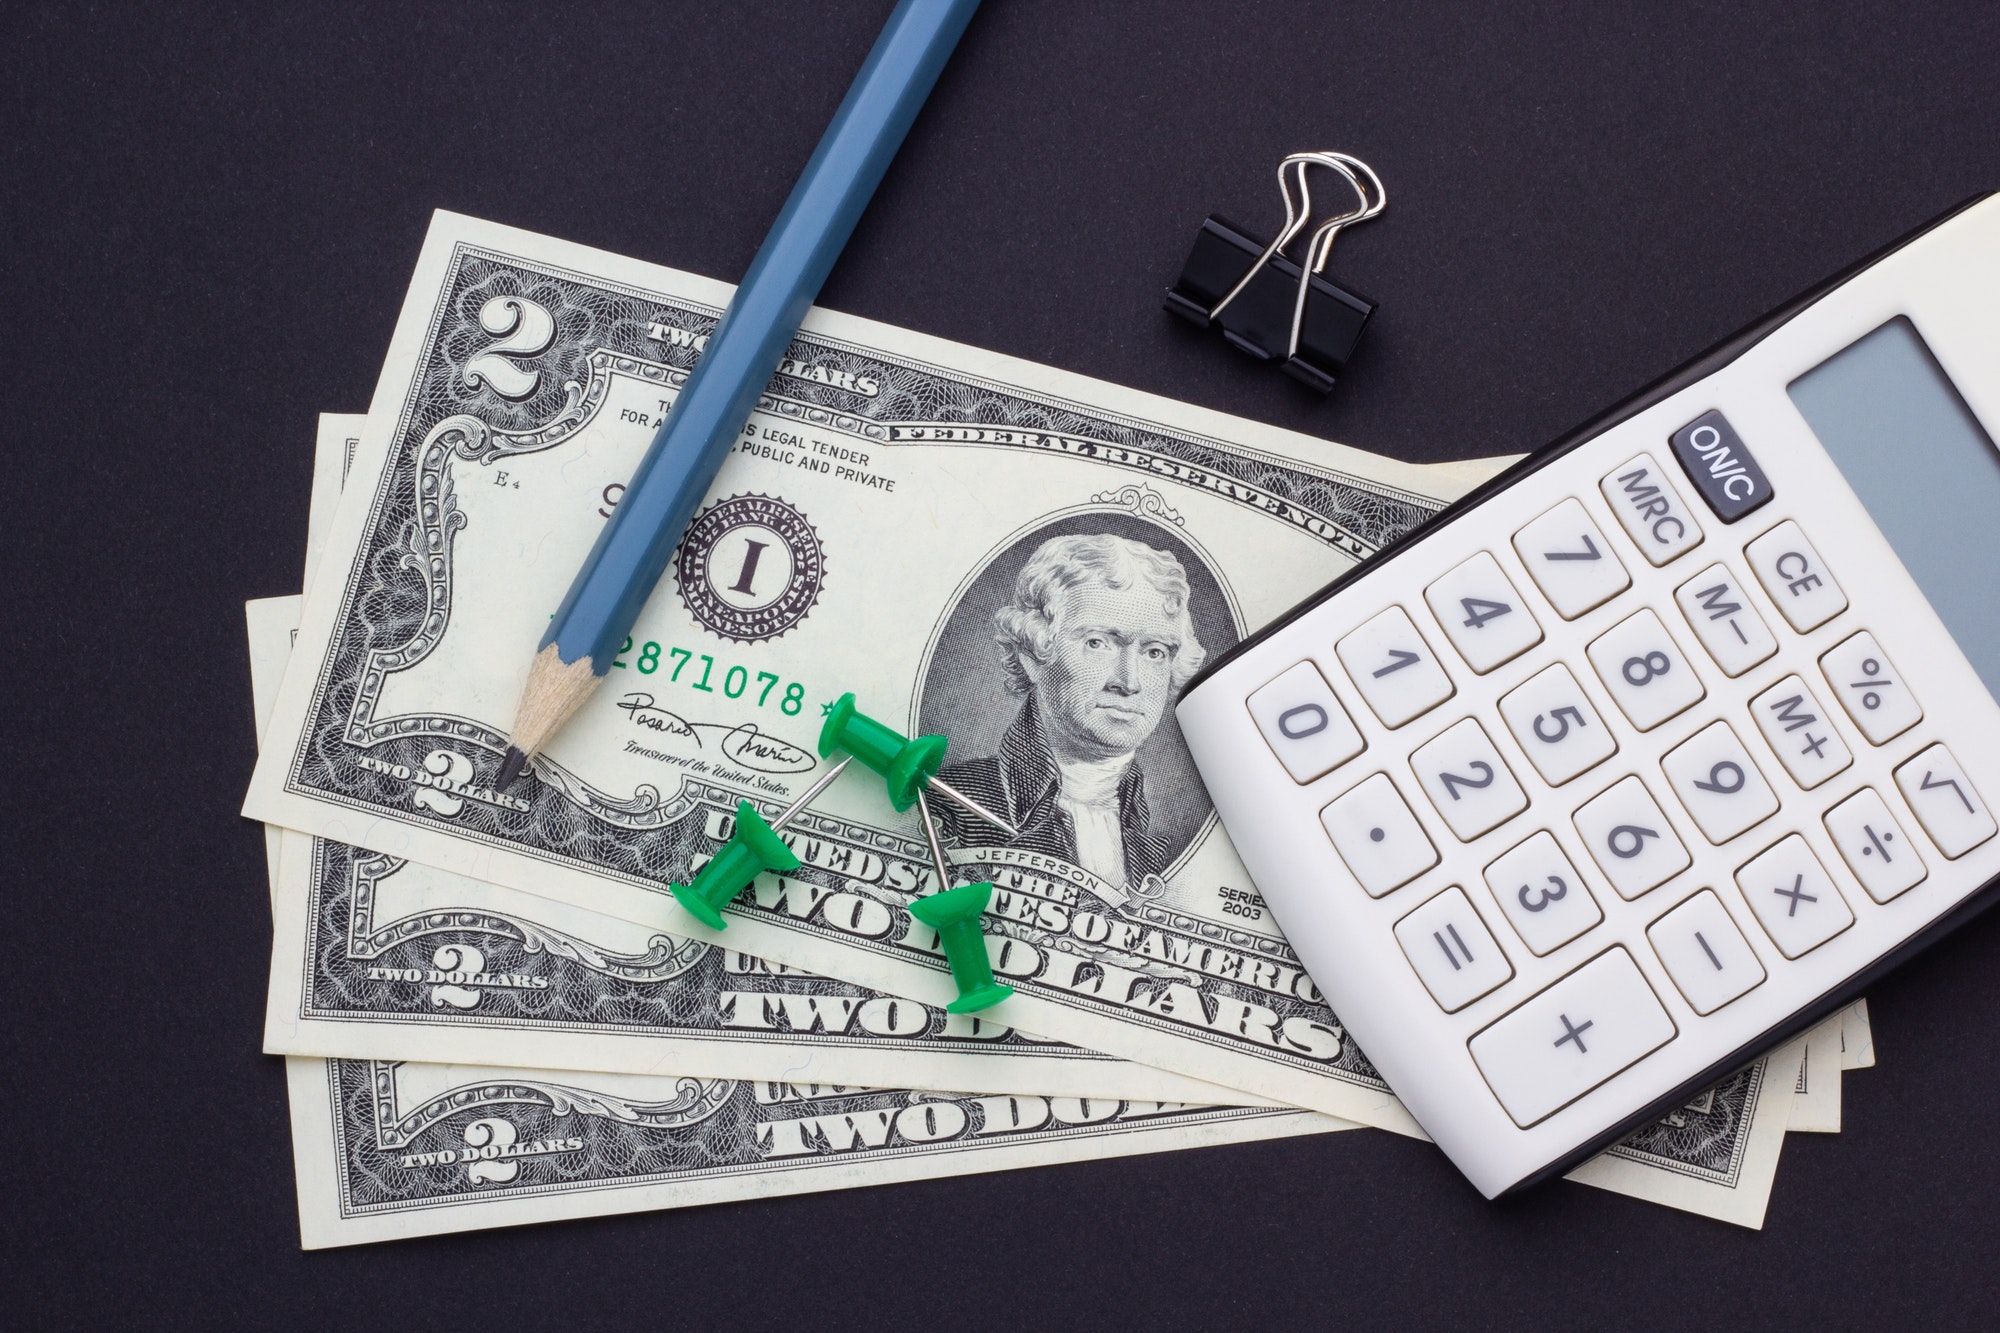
pixel 954 914
pixel 751 850
pixel 908 766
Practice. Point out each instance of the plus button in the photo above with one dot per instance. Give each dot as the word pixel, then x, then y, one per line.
pixel 1574 1033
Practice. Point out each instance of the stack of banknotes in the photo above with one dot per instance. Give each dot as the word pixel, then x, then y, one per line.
pixel 493 1011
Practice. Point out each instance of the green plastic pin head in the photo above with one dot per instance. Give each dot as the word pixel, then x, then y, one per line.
pixel 954 915
pixel 751 850
pixel 904 764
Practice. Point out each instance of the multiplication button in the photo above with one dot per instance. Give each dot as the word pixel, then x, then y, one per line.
pixel 1303 723
pixel 1797 579
pixel 1791 721
pixel 1393 667
pixel 1452 951
pixel 1722 618
pixel 1570 561
pixel 1870 688
pixel 1944 801
pixel 1793 897
pixel 1597 1021
pixel 1705 953
pixel 1378 837
pixel 1551 717
pixel 1482 615
pixel 1874 846
pixel 1631 840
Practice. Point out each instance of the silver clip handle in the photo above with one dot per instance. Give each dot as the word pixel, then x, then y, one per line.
pixel 1371 199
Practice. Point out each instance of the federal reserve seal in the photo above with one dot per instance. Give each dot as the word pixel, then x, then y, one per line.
pixel 750 567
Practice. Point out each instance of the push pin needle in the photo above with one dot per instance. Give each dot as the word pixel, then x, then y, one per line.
pixel 752 849
pixel 954 914
pixel 908 766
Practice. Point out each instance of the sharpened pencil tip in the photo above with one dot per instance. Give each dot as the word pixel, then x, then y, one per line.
pixel 510 768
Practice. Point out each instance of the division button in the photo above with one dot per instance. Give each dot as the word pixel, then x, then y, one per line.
pixel 1723 619
pixel 1793 897
pixel 1721 468
pixel 1797 579
pixel 1705 953
pixel 1303 723
pixel 1378 837
pixel 1453 952
pixel 1482 615
pixel 1944 801
pixel 1555 724
pixel 1870 688
pixel 1468 781
pixel 1544 897
pixel 1598 1020
pixel 1658 523
pixel 1718 783
pixel 1642 666
pixel 1874 846
pixel 1393 667
pixel 1630 839
pixel 1796 728
pixel 1570 560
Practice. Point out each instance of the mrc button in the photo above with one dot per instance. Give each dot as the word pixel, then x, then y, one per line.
pixel 1712 454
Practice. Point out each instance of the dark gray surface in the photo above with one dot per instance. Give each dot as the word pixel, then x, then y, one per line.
pixel 207 220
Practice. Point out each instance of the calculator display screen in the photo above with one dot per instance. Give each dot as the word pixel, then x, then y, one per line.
pixel 1926 471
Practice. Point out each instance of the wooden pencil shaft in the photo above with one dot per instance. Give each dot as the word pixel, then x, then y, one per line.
pixel 555 689
pixel 743 352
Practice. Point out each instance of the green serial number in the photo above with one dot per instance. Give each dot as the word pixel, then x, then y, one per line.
pixel 736 680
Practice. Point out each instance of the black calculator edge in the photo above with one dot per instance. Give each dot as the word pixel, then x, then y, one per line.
pixel 1700 367
pixel 1840 996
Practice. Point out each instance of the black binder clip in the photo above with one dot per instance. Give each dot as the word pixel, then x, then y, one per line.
pixel 1267 305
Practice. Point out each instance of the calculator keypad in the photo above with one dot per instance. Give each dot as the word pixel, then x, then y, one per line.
pixel 1452 951
pixel 1393 667
pixel 1793 897
pixel 1570 560
pixel 1718 783
pixel 1468 781
pixel 1944 801
pixel 1553 721
pixel 1542 895
pixel 1705 954
pixel 1304 725
pixel 1795 577
pixel 1597 1021
pixel 1874 846
pixel 1482 615
pixel 1377 836
pixel 1643 669
pixel 1723 619
pixel 1631 840
pixel 1798 732
pixel 1869 688
pixel 1651 510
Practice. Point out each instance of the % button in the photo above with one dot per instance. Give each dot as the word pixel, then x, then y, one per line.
pixel 1870 688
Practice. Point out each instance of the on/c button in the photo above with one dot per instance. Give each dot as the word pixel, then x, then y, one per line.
pixel 1595 1022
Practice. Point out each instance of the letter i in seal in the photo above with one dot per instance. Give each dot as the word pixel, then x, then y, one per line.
pixel 751 850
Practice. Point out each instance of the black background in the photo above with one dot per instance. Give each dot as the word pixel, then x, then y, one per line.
pixel 207 221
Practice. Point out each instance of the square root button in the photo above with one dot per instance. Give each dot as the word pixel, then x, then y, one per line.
pixel 1595 1023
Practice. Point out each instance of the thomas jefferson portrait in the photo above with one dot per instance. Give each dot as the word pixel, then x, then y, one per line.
pixel 1096 643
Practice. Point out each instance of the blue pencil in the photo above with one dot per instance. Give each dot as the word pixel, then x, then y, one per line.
pixel 742 354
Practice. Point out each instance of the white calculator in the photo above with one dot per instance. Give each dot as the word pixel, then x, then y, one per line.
pixel 1661 746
